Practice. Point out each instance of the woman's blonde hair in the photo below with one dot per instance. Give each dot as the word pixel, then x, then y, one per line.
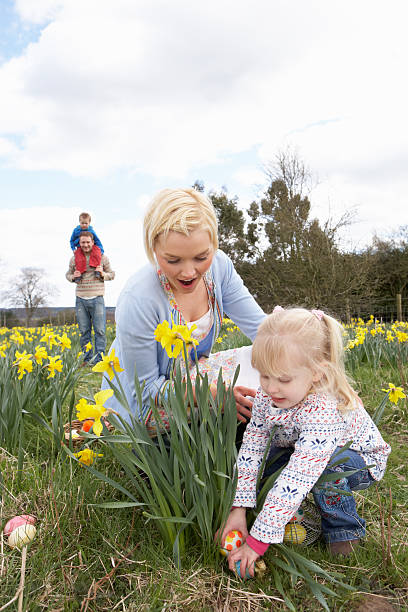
pixel 317 338
pixel 178 210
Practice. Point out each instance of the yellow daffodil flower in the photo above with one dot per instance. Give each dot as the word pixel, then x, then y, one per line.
pixel 54 365
pixel 109 363
pixel 64 342
pixel 97 411
pixel 40 354
pixel 174 337
pixel 395 393
pixel 87 456
pixel 49 338
pixel 23 363
pixel 3 350
pixel 88 346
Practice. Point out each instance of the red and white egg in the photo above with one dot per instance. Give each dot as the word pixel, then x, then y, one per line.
pixel 20 530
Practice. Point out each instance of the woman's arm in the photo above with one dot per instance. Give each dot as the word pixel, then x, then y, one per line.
pixel 137 318
pixel 236 300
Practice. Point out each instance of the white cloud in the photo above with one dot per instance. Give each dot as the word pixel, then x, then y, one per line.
pixel 161 87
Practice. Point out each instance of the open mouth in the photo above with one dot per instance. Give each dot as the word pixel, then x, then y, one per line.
pixel 187 283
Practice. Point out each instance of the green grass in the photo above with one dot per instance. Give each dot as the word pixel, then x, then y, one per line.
pixel 88 558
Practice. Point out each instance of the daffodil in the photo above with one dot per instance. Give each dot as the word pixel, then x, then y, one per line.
pixel 97 411
pixel 49 338
pixel 23 363
pixel 55 364
pixel 87 456
pixel 394 393
pixel 88 346
pixel 3 350
pixel 172 339
pixel 64 342
pixel 109 363
pixel 40 354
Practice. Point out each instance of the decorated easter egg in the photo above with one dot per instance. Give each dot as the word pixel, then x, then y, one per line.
pixel 233 540
pixel 238 571
pixel 294 533
pixel 259 569
pixel 298 516
pixel 16 521
pixel 86 425
pixel 22 535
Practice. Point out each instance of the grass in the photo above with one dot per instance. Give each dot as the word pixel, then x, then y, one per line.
pixel 88 558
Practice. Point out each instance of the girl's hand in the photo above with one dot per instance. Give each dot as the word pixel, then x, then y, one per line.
pixel 244 402
pixel 236 520
pixel 247 556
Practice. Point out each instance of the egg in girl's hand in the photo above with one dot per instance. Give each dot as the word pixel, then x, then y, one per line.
pixel 22 535
pixel 17 521
pixel 233 540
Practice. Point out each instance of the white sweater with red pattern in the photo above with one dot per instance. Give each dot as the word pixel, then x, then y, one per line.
pixel 314 427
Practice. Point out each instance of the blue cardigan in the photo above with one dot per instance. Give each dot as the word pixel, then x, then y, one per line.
pixel 142 305
pixel 74 241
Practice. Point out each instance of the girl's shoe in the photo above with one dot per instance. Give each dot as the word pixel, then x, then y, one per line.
pixel 344 548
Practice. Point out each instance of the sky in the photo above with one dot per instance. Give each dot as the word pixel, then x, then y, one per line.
pixel 104 102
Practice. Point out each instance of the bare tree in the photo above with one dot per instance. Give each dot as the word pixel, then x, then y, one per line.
pixel 288 167
pixel 29 291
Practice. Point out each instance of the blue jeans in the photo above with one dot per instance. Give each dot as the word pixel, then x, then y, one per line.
pixel 340 520
pixel 91 313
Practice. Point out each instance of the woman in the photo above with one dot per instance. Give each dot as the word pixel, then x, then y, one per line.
pixel 188 282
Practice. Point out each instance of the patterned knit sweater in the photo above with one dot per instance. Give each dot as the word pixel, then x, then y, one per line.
pixel 89 286
pixel 314 427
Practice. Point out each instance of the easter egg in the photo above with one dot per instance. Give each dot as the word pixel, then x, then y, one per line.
pixel 294 533
pixel 233 540
pixel 16 521
pixel 298 516
pixel 86 425
pixel 238 571
pixel 22 535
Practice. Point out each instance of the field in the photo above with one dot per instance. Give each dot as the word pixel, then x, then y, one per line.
pixel 118 557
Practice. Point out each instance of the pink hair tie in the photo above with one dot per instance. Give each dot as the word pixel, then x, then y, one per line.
pixel 318 313
pixel 278 309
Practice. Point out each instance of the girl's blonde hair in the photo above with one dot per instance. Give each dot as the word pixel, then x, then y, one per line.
pixel 178 210
pixel 317 339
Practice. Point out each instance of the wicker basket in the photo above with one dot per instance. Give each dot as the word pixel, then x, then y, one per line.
pixel 311 521
pixel 72 429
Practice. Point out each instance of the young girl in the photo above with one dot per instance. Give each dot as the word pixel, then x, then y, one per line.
pixel 308 403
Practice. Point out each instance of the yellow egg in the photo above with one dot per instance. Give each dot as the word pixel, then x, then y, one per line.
pixel 20 536
pixel 294 533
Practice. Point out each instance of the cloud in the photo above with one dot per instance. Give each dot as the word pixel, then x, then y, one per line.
pixel 160 88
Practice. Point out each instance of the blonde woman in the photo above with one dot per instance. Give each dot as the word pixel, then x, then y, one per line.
pixel 188 281
pixel 306 400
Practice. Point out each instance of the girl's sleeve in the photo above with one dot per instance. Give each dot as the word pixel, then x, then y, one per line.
pixel 251 453
pixel 136 321
pixel 320 428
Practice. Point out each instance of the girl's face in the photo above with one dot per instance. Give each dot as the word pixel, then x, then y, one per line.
pixel 184 259
pixel 288 390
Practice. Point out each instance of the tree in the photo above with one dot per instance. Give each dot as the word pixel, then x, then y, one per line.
pixel 300 261
pixel 29 291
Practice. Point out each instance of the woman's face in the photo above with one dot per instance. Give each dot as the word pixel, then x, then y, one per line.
pixel 184 259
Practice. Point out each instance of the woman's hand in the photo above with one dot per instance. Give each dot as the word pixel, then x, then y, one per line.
pixel 247 556
pixel 236 520
pixel 244 402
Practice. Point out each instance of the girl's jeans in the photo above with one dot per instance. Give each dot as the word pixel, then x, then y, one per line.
pixel 340 520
